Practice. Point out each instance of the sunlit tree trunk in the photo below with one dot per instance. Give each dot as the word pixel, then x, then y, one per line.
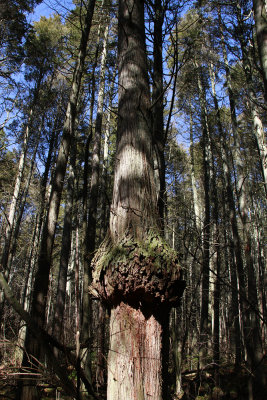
pixel 196 200
pixel 157 109
pixel 252 349
pixel 26 293
pixel 106 163
pixel 23 201
pixel 40 289
pixel 123 265
pixel 94 187
pixel 65 253
pixel 261 144
pixel 252 333
pixel 86 319
pixel 206 151
pixel 260 16
pixel 14 201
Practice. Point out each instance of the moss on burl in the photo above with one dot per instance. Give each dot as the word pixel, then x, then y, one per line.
pixel 138 271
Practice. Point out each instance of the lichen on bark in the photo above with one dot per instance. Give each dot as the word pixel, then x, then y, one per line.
pixel 138 271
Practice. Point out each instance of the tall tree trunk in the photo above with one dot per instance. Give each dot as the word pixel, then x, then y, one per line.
pixel 104 185
pixel 251 324
pixel 65 252
pixel 40 289
pixel 204 318
pixel 14 200
pixel 94 192
pixel 260 16
pixel 24 198
pixel 26 293
pixel 15 197
pixel 176 333
pixel 261 144
pixel 86 301
pixel 77 307
pixel 157 110
pixel 254 357
pixel 196 200
pixel 124 263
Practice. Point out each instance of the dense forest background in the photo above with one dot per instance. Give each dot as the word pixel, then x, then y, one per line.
pixel 207 71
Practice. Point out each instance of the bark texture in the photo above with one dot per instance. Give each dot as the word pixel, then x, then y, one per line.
pixel 135 272
pixel 261 30
pixel 135 361
pixel 134 195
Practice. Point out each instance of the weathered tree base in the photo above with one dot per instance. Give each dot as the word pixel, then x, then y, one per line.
pixel 135 355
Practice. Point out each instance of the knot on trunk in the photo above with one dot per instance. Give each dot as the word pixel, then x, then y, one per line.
pixel 138 272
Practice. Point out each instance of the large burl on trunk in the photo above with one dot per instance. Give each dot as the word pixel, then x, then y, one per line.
pixel 140 281
pixel 135 272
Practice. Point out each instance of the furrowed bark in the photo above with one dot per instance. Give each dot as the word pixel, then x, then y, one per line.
pixel 135 272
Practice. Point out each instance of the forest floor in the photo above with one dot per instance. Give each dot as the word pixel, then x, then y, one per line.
pixel 225 384
pixel 229 384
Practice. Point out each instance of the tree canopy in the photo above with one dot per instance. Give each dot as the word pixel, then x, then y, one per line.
pixel 133 189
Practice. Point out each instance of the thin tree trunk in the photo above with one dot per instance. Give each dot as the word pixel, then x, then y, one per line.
pixel 104 185
pixel 26 293
pixel 86 301
pixel 260 16
pixel 204 318
pixel 196 200
pixel 261 144
pixel 40 288
pixel 94 192
pixel 15 197
pixel 157 110
pixel 91 226
pixel 77 308
pixel 177 351
pixel 241 202
pixel 251 322
pixel 23 202
pixel 65 252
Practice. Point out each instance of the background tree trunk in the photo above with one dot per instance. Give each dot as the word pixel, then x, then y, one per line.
pixel 33 348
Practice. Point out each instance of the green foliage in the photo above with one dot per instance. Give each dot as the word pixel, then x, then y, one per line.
pixel 44 46
pixel 8 169
pixel 14 28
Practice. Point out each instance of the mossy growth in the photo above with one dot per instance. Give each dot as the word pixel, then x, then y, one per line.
pixel 128 249
pixel 140 269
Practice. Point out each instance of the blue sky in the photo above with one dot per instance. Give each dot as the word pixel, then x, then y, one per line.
pixel 50 7
pixel 42 9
